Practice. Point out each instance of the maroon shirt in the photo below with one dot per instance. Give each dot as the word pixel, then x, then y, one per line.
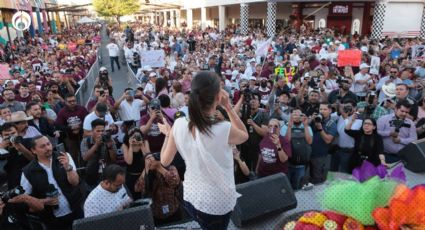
pixel 154 136
pixel 23 99
pixel 270 163
pixel 71 120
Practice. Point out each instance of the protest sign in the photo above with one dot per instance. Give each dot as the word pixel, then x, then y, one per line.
pixel 153 58
pixel 418 52
pixel 374 65
pixel 4 71
pixel 349 58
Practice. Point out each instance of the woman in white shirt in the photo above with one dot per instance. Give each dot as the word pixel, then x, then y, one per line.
pixel 206 146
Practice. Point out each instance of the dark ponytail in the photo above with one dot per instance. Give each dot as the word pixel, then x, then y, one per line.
pixel 204 89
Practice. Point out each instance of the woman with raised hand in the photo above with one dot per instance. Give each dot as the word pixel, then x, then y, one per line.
pixel 205 144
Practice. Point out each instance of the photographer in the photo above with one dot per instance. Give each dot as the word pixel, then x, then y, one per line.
pixel 341 158
pixel 256 121
pixel 343 93
pixel 132 56
pixel 52 178
pixel 149 125
pixel 324 132
pixel 278 105
pixel 13 210
pixel 98 150
pixel 103 79
pixel 129 107
pixel 100 96
pixel 368 106
pixel 300 135
pixel 135 149
pixel 397 131
pixel 10 151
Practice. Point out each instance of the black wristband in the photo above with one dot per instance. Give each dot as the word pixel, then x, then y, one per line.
pixel 320 130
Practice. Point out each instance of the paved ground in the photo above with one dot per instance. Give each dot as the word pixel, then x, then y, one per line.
pixel 119 77
pixel 307 200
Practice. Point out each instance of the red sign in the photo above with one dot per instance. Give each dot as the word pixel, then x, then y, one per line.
pixel 349 57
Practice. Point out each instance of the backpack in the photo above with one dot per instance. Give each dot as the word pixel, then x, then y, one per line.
pixel 301 150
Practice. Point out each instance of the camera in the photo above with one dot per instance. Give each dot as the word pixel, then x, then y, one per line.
pixel 157 156
pixel 16 139
pixel 106 136
pixel 348 109
pixel 155 104
pixel 101 93
pixel 138 137
pixel 398 124
pixel 9 194
pixel 318 118
pixel 341 80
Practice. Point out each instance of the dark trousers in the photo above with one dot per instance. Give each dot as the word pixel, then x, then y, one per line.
pixel 341 160
pixel 65 222
pixel 391 158
pixel 207 221
pixel 318 171
pixel 116 61
pixel 130 181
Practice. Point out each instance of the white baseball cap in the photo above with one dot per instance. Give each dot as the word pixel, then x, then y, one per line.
pixel 364 65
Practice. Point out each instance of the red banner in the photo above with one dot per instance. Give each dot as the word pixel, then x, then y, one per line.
pixel 4 71
pixel 349 57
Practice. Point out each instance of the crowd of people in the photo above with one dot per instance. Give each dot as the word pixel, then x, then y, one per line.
pixel 292 110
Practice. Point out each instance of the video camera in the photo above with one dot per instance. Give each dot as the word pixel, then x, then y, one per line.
pixel 398 124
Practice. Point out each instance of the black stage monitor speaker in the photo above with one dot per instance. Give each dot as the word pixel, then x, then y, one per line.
pixel 264 196
pixel 413 156
pixel 135 218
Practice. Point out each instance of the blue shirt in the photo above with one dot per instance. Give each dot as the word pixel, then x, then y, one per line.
pixel 319 147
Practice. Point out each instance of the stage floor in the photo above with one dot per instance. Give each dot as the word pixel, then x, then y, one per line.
pixel 307 200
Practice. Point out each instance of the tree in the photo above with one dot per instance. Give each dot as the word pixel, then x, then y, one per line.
pixel 116 8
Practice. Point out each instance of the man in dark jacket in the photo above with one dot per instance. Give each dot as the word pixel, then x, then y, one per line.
pixel 53 179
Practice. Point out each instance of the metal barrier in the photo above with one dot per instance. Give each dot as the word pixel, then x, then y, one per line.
pixel 85 91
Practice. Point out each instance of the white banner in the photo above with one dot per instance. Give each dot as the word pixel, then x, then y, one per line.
pixel 263 48
pixel 153 58
pixel 418 52
pixel 375 62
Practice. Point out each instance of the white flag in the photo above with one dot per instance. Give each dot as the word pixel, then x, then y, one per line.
pixel 263 48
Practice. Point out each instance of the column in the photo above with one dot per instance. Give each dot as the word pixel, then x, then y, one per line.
pixel 178 23
pixel 366 19
pixel 203 18
pixel 244 18
pixel 378 19
pixel 152 19
pixel 165 23
pixel 172 24
pixel 297 12
pixel 221 18
pixel 271 18
pixel 189 18
pixel 422 35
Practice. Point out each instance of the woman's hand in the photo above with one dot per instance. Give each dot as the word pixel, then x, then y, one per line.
pixel 224 100
pixel 275 140
pixel 145 147
pixel 164 127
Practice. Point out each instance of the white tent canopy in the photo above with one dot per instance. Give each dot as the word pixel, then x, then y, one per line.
pixel 86 20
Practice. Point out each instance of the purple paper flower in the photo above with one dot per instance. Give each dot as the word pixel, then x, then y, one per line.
pixel 368 170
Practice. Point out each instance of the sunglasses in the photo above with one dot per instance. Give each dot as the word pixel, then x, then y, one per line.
pixel 273 126
pixel 393 72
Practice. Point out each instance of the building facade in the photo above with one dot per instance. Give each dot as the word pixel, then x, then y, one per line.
pixel 376 17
